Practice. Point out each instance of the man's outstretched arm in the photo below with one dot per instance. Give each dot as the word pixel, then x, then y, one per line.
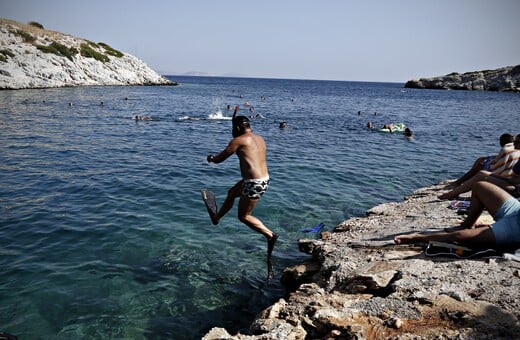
pixel 224 154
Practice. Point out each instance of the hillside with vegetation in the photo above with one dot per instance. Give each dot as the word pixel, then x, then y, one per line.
pixel 34 57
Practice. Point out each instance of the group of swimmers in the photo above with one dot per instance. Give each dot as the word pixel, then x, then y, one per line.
pixel 361 112
pixel 246 104
pixel 250 108
pixel 393 127
pixel 70 104
pixel 137 118
pixel 390 127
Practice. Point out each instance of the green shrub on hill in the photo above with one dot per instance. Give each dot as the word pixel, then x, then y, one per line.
pixel 25 36
pixel 91 43
pixel 35 24
pixel 87 49
pixel 58 49
pixel 4 54
pixel 88 52
pixel 111 51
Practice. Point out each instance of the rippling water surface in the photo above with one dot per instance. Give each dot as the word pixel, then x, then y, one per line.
pixel 103 233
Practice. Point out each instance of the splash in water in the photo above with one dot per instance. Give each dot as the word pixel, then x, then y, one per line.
pixel 218 116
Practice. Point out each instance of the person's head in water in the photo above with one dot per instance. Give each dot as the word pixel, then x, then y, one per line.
pixel 240 124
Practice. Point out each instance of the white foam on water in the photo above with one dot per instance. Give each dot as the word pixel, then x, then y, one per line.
pixel 218 116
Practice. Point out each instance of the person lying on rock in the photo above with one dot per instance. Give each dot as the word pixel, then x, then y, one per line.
pixel 506 179
pixel 505 232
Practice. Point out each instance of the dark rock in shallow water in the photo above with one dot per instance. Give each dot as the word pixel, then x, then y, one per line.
pixel 506 79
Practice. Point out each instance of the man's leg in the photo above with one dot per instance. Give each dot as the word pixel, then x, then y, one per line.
pixel 234 192
pixel 466 186
pixel 485 195
pixel 471 237
pixel 246 206
pixel 476 207
pixel 477 166
pixel 491 195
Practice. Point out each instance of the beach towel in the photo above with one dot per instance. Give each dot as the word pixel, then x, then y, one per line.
pixel 513 256
pixel 460 205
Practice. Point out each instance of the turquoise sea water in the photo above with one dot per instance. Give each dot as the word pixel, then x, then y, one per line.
pixel 103 232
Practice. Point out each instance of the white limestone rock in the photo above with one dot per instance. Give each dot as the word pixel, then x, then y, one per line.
pixel 24 65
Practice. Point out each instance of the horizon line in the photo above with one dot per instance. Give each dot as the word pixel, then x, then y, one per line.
pixel 201 75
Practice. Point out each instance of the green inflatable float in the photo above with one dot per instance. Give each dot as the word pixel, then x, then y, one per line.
pixel 397 127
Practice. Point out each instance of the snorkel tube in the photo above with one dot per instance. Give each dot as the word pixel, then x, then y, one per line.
pixel 239 123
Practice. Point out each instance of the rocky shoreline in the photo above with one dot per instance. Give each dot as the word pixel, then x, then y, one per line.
pixel 505 79
pixel 33 57
pixel 358 284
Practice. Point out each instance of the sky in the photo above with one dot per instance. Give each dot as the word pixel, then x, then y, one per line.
pixel 363 40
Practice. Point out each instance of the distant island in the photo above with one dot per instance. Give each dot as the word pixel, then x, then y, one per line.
pixel 505 79
pixel 33 57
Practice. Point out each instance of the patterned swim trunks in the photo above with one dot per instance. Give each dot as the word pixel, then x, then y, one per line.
pixel 254 188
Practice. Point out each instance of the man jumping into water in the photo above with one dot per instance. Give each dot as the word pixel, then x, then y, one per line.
pixel 251 151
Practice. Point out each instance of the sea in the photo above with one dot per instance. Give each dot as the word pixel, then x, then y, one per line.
pixel 103 233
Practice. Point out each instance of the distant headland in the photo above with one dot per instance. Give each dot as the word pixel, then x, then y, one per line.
pixel 33 57
pixel 506 79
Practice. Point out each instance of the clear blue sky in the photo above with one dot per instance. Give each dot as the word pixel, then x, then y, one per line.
pixel 366 40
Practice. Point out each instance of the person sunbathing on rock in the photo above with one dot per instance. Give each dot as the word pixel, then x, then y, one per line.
pixel 504 232
pixel 508 180
pixel 489 163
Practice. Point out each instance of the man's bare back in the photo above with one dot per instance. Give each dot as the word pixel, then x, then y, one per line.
pixel 251 151
pixel 252 155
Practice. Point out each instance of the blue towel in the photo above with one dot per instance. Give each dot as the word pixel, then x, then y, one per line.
pixel 315 229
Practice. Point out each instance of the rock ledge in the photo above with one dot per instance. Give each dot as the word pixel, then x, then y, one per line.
pixel 502 79
pixel 358 284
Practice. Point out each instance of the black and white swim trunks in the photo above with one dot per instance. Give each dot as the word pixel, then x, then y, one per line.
pixel 254 188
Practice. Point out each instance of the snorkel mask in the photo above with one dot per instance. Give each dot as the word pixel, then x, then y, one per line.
pixel 239 124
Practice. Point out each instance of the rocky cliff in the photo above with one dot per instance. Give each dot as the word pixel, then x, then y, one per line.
pixel 358 284
pixel 33 57
pixel 502 79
